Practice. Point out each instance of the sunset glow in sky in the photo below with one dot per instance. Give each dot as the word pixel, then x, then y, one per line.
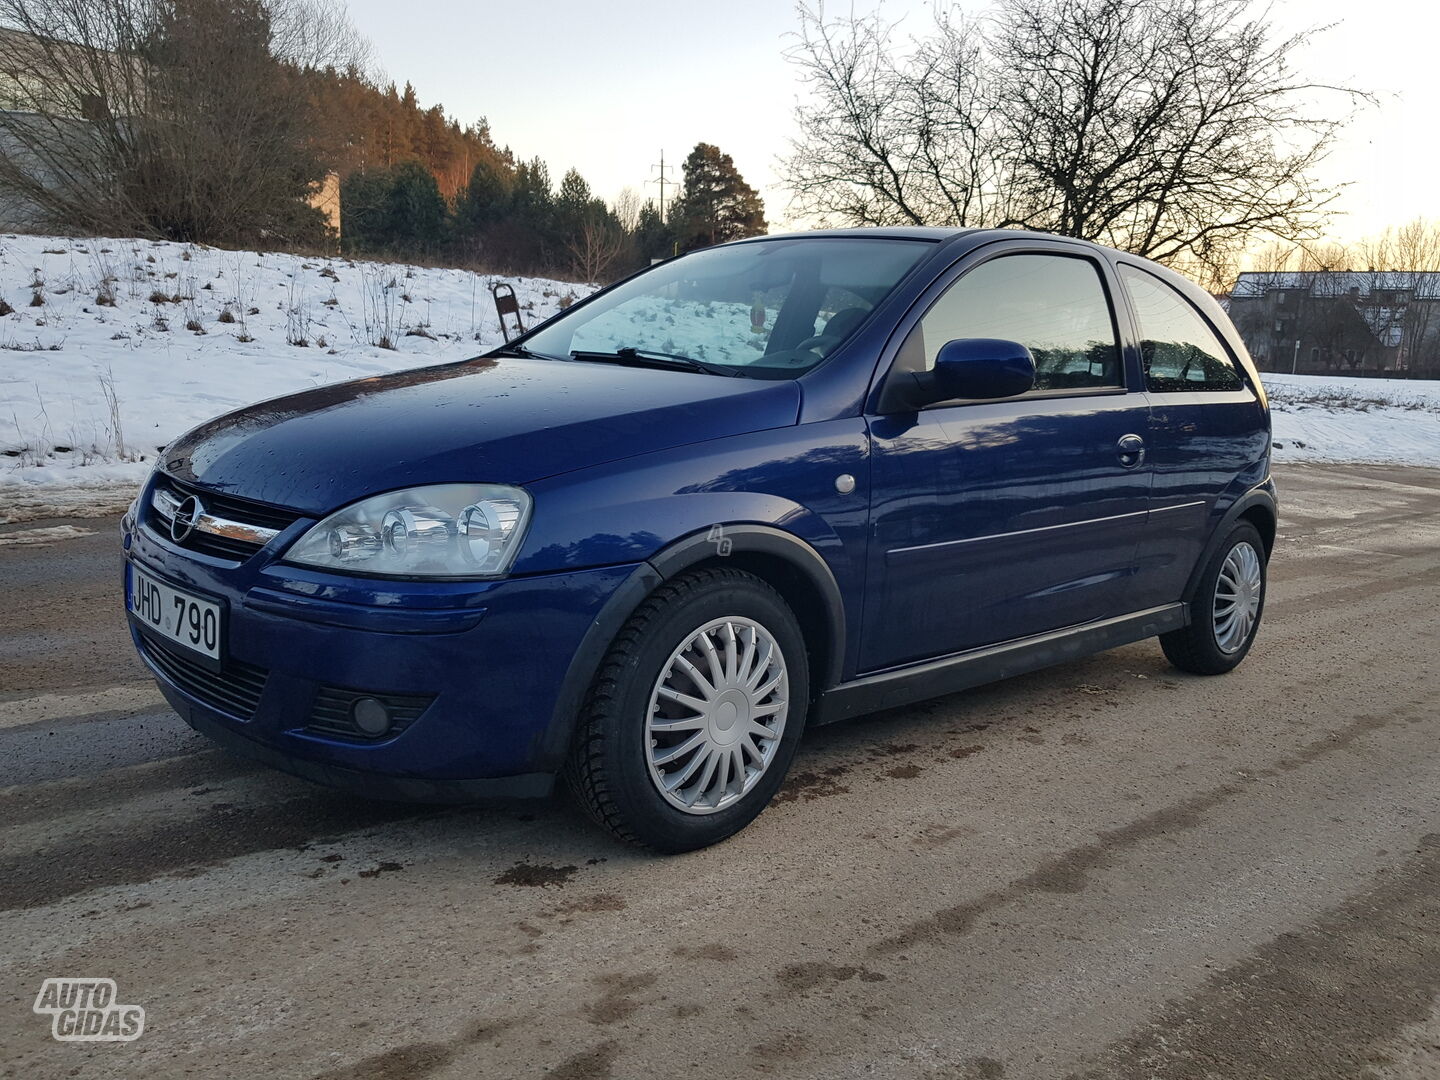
pixel 606 87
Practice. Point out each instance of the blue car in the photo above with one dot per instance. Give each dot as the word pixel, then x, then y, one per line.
pixel 761 487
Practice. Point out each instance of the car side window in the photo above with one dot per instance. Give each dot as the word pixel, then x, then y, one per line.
pixel 1054 305
pixel 1178 349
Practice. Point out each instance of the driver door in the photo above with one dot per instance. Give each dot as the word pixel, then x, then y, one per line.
pixel 996 520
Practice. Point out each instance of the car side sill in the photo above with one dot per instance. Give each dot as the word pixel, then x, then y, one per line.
pixel 950 674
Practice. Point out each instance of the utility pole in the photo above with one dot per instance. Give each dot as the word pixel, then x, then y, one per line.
pixel 662 180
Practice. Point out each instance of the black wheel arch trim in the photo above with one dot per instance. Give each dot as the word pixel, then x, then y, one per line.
pixel 786 547
pixel 675 559
pixel 1261 495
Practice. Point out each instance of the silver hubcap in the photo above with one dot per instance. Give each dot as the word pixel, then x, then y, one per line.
pixel 1237 597
pixel 716 715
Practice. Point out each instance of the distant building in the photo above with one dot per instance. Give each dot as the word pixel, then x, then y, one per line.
pixel 51 133
pixel 325 197
pixel 45 123
pixel 1340 321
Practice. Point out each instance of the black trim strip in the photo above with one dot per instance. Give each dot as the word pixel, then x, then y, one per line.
pixel 948 675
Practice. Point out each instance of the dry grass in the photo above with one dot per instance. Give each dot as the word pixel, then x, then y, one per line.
pixel 1288 398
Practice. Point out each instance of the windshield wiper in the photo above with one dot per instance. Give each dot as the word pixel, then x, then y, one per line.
pixel 633 357
pixel 522 351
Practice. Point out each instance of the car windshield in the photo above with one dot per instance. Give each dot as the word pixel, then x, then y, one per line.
pixel 768 309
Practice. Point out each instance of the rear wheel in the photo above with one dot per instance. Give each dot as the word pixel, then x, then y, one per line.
pixel 694 716
pixel 1225 613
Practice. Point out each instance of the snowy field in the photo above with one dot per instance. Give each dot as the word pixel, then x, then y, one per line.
pixel 111 348
pixel 1322 418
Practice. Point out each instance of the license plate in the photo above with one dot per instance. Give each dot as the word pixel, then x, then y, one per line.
pixel 182 617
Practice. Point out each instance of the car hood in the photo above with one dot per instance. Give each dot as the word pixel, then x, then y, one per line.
pixel 487 420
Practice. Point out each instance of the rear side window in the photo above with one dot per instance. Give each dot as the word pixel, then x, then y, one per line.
pixel 1177 347
pixel 1054 305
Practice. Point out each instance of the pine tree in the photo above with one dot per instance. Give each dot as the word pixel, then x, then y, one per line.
pixel 653 239
pixel 486 198
pixel 364 206
pixel 715 203
pixel 417 211
pixel 397 210
pixel 572 203
pixel 531 199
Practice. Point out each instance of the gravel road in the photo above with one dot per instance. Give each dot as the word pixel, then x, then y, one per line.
pixel 1108 869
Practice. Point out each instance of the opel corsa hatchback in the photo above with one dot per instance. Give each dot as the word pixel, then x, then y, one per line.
pixel 765 486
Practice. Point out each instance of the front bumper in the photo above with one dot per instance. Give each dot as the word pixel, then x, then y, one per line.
pixel 494 668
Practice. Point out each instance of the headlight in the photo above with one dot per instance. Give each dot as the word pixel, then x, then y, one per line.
pixel 449 530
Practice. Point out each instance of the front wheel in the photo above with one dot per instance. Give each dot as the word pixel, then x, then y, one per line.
pixel 695 713
pixel 1225 613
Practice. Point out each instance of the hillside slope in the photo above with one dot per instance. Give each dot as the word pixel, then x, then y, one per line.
pixel 111 348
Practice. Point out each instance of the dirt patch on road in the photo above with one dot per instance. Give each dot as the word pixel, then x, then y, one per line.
pixel 618 1001
pixel 798 978
pixel 528 875
pixel 590 904
pixel 810 785
pixel 713 951
pixel 904 772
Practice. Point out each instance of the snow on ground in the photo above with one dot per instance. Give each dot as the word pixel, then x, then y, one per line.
pixel 114 347
pixel 717 331
pixel 1323 418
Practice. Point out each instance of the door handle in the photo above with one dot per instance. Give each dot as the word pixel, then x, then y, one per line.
pixel 1131 450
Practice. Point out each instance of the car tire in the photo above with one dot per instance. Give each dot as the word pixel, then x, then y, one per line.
pixel 618 769
pixel 1227 607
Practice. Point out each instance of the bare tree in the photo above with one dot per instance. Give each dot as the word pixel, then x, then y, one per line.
pixel 893 138
pixel 596 248
pixel 1410 255
pixel 73 82
pixel 1325 257
pixel 177 118
pixel 626 209
pixel 319 34
pixel 1173 130
pixel 1275 259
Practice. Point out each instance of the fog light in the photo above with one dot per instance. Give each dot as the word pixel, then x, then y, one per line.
pixel 371 716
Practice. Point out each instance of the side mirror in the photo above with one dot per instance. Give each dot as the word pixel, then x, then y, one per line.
pixel 971 369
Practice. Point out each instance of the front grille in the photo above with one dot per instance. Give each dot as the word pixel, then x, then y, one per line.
pixel 234 690
pixel 330 715
pixel 220 505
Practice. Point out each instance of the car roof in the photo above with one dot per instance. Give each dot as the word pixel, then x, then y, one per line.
pixel 936 233
pixel 876 232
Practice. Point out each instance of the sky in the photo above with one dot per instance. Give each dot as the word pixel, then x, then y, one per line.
pixel 606 87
